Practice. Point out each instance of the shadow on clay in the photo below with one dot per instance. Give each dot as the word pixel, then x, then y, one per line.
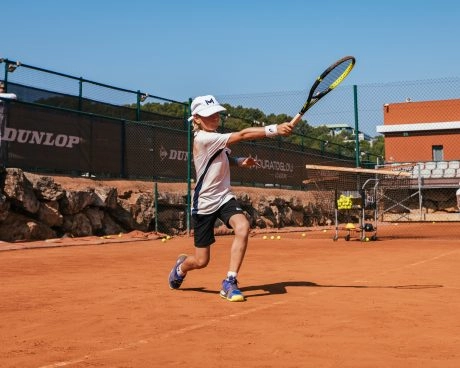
pixel 281 288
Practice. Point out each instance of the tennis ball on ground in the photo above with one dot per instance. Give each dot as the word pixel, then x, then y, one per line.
pixel 367 239
pixel 278 237
pixel 272 237
pixel 304 235
pixel 324 230
pixel 163 240
pixel 168 237
pixel 264 237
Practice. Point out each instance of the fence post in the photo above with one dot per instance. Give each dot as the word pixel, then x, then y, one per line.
pixel 357 150
pixel 189 168
pixel 123 149
pixel 155 201
pixel 80 94
pixel 5 78
pixel 138 106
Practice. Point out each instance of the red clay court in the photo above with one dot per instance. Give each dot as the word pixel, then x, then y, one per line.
pixel 311 302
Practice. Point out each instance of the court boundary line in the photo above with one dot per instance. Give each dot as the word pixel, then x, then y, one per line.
pixel 414 264
pixel 165 335
pixel 214 321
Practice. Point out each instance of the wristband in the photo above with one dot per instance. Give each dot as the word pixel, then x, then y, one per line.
pixel 271 130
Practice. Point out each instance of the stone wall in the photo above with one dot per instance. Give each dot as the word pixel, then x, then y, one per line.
pixel 35 207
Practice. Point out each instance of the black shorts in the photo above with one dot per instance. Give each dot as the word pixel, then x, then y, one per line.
pixel 203 225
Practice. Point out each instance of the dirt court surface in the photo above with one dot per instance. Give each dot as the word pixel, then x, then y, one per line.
pixel 311 302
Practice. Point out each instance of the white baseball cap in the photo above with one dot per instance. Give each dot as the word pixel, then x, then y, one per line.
pixel 205 106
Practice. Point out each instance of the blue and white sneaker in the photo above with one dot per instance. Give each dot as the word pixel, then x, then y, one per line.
pixel 175 281
pixel 230 290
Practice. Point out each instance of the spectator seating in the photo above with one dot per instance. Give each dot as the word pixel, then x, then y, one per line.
pixel 437 173
pixel 450 172
pixel 437 169
pixel 454 164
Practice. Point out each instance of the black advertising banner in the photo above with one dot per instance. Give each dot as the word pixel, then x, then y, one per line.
pixel 275 167
pixel 37 137
pixel 156 152
pixel 40 138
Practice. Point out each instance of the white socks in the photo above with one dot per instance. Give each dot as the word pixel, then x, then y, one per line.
pixel 231 274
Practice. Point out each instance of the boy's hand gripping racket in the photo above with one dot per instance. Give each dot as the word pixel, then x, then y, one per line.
pixel 325 83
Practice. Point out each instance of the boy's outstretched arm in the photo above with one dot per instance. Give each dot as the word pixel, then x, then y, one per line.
pixel 253 133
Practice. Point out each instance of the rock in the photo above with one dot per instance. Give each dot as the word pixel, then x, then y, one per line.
pixel 110 227
pixel 4 207
pixel 19 190
pixel 49 214
pixel 77 225
pixel 105 197
pixel 45 188
pixel 18 227
pixel 74 202
pixel 96 219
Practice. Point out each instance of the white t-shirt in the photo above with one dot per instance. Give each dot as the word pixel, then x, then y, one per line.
pixel 213 188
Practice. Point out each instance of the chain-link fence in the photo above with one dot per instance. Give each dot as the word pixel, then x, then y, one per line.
pixel 91 128
pixel 430 132
pixel 45 87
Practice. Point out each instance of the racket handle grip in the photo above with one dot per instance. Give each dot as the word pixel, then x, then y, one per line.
pixel 295 120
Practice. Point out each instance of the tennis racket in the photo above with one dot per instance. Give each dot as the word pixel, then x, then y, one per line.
pixel 325 83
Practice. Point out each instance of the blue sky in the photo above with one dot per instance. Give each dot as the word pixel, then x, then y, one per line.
pixel 180 49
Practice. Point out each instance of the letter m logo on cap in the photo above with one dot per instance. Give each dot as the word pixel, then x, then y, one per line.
pixel 211 101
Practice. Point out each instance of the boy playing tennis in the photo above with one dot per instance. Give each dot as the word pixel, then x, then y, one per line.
pixel 213 198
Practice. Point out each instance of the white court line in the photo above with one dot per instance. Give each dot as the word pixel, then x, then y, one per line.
pixel 217 320
pixel 413 264
pixel 433 258
pixel 165 335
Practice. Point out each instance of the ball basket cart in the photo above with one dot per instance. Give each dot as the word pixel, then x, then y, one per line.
pixel 353 194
